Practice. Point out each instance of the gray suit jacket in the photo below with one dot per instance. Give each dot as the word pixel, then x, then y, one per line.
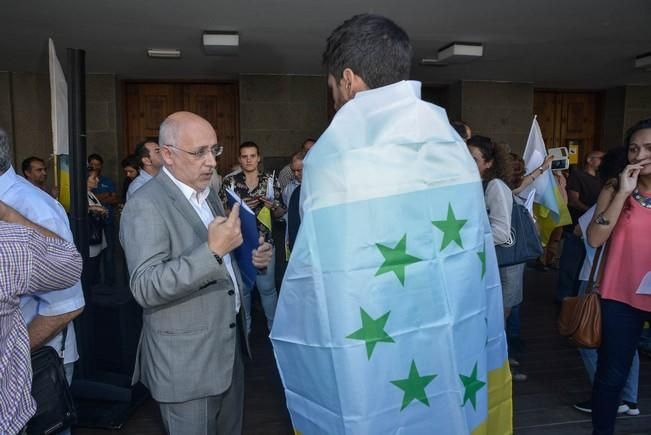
pixel 188 336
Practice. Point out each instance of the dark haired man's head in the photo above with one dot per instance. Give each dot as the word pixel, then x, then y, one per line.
pixel 307 144
pixel 35 170
pixel 462 128
pixel 96 162
pixel 149 157
pixel 130 166
pixel 365 52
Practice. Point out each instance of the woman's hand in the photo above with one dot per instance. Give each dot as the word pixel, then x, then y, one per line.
pixel 628 178
pixel 547 163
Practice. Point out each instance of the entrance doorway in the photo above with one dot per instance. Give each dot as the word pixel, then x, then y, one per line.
pixel 569 119
pixel 148 104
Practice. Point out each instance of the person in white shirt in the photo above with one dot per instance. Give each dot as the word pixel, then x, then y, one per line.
pixel 150 161
pixel 46 314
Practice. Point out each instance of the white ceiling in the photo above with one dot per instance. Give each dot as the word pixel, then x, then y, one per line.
pixel 588 44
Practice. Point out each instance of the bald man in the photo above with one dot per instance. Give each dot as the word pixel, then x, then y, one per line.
pixel 178 244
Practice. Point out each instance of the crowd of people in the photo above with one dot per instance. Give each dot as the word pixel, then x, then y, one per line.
pixel 179 234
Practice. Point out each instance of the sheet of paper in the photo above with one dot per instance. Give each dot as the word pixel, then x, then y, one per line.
pixel 645 285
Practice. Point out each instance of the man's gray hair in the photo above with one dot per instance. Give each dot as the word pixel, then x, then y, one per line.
pixel 168 132
pixel 5 152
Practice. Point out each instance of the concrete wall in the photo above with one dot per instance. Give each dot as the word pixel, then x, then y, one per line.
pixel 612 123
pixel 279 112
pixel 637 105
pixel 501 111
pixel 25 115
pixel 102 134
pixel 623 107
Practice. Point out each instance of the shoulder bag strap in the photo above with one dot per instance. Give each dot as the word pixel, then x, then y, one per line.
pixel 597 271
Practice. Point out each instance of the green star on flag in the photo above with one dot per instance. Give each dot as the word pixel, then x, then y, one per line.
pixel 396 259
pixel 472 385
pixel 482 258
pixel 451 228
pixel 372 331
pixel 414 386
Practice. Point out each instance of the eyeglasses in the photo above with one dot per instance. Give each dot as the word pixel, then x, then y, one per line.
pixel 216 150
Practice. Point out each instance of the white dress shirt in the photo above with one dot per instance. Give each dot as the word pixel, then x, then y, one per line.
pixel 198 202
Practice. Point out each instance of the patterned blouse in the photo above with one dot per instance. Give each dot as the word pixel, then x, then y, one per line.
pixel 238 183
pixel 29 262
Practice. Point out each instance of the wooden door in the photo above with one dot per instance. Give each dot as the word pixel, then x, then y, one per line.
pixel 218 104
pixel 569 118
pixel 148 104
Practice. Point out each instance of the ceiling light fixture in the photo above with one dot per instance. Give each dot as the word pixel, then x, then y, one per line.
pixel 164 53
pixel 643 61
pixel 221 43
pixel 455 52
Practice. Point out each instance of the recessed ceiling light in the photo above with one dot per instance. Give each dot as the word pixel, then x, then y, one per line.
pixel 455 52
pixel 165 53
pixel 643 61
pixel 220 43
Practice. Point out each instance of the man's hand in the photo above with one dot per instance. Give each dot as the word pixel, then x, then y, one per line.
pixel 262 256
pixel 224 234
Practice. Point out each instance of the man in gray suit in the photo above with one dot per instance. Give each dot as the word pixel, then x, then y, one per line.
pixel 177 243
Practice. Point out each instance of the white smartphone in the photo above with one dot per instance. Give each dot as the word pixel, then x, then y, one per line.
pixel 561 159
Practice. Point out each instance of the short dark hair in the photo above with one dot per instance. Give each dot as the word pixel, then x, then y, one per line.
pixel 249 144
pixel 373 47
pixel 299 155
pixel 95 157
pixel 640 125
pixel 142 151
pixel 131 160
pixel 27 163
pixel 461 128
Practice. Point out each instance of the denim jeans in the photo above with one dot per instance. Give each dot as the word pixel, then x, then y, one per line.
pixel 589 357
pixel 621 330
pixel 569 266
pixel 266 285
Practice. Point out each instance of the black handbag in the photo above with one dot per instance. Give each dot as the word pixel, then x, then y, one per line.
pixel 55 409
pixel 95 229
pixel 525 244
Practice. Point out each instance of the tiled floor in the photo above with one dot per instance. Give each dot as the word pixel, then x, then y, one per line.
pixel 542 403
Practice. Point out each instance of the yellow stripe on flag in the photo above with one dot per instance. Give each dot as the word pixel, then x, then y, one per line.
pixel 545 220
pixel 265 217
pixel 500 404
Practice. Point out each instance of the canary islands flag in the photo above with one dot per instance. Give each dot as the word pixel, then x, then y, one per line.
pixel 549 208
pixel 390 316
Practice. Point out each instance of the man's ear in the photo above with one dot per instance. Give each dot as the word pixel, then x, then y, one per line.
pixel 352 83
pixel 166 153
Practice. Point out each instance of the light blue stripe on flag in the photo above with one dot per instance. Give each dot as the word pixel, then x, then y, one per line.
pixel 442 306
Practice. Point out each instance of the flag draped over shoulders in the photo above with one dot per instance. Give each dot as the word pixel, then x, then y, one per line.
pixel 390 314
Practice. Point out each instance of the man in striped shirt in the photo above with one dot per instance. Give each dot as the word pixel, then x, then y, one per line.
pixel 31 259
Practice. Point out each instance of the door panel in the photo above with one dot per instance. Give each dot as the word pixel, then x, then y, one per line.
pixel 148 104
pixel 568 118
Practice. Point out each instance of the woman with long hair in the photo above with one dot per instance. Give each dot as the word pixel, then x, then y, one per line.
pixel 623 218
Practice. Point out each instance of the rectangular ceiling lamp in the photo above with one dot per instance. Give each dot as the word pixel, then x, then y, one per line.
pixel 164 53
pixel 643 61
pixel 216 43
pixel 459 52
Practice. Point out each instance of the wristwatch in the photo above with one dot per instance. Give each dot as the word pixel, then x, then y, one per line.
pixel 219 259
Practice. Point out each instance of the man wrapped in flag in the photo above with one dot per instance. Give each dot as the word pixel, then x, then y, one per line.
pixel 390 314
